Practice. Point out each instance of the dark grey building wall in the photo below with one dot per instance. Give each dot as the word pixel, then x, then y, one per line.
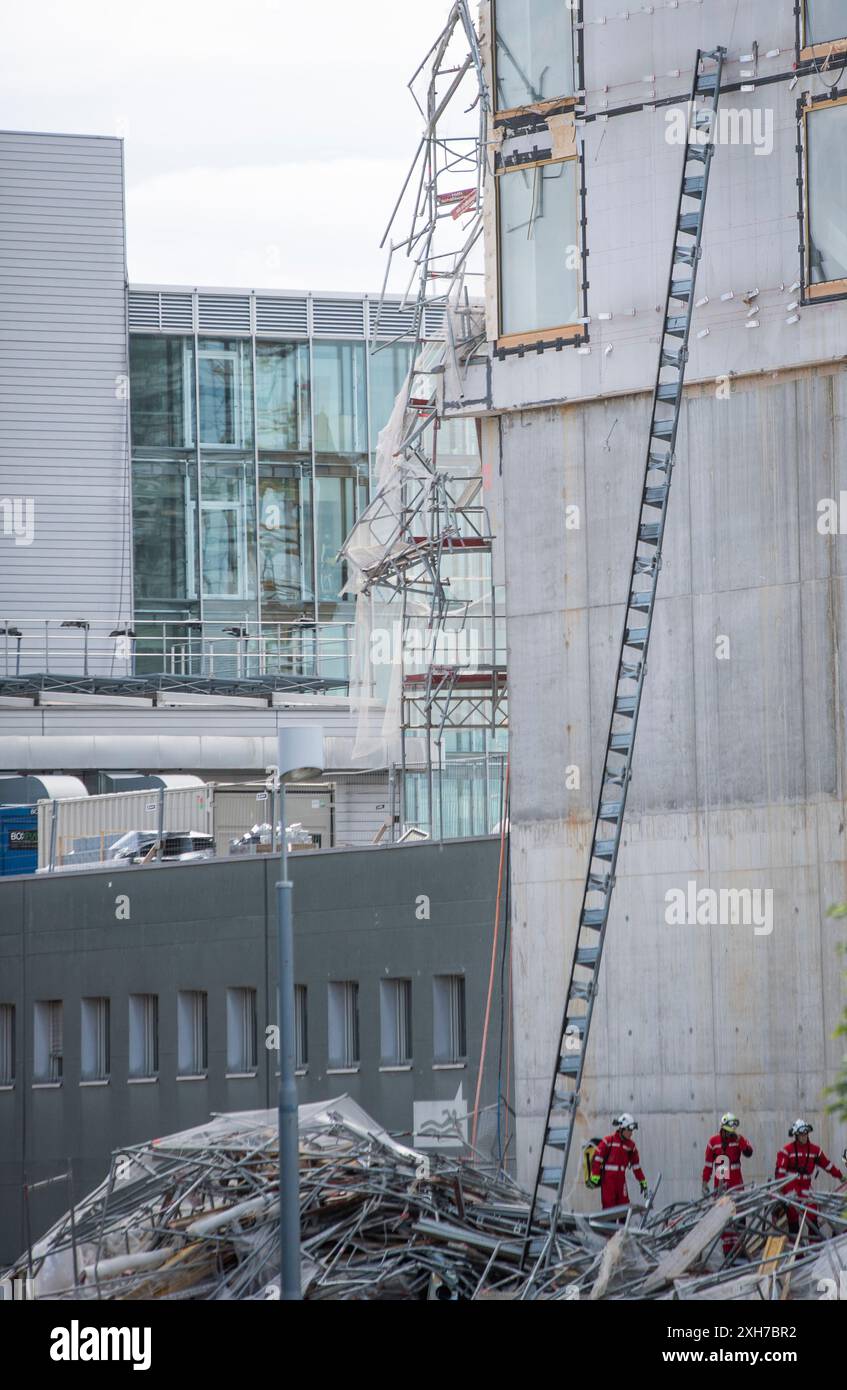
pixel 211 926
pixel 63 364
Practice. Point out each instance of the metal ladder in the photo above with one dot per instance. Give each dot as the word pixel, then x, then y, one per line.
pixel 638 622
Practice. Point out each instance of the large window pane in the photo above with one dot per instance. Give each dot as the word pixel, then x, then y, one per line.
pixel 539 281
pixel 534 51
pixel 827 159
pixel 161 391
pixel 282 395
pixel 389 367
pixel 340 398
pixel 335 512
pixel 164 517
pixel 286 547
pixel 226 392
pixel 228 528
pixel 825 19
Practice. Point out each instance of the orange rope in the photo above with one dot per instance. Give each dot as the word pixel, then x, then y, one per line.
pixel 481 1071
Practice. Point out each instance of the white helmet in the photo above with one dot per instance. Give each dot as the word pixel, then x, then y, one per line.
pixel 730 1121
pixel 625 1121
pixel 800 1127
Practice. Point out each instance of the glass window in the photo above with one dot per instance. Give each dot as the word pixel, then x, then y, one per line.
pixel 192 1012
pixel 48 1040
pixel 161 391
pixel 343 1022
pixel 164 523
pixel 286 549
pixel 825 19
pixel 450 1042
pixel 241 1030
pixel 826 135
pixel 282 396
pixel 389 367
pixel 335 511
pixel 7 1044
pixel 226 392
pixel 340 404
pixel 228 530
pixel 534 58
pixel 539 277
pixel 94 1037
pixel 301 1027
pixel 395 1022
pixel 143 1034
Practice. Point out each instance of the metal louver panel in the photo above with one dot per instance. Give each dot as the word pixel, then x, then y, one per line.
pixel 338 318
pixel 224 313
pixel 281 315
pixel 392 320
pixel 434 322
pixel 177 311
pixel 143 309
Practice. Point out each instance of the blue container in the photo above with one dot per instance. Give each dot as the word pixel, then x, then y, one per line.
pixel 18 839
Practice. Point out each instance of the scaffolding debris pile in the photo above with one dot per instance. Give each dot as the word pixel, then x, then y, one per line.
pixel 195 1217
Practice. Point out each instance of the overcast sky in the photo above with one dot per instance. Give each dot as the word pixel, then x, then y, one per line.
pixel 265 140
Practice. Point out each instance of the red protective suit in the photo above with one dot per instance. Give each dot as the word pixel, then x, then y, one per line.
pixel 800 1161
pixel 730 1147
pixel 613 1156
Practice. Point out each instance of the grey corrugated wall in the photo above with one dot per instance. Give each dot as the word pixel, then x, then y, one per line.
pixel 63 418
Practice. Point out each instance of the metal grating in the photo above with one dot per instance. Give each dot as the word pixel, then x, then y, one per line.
pixel 143 310
pixel 226 313
pixel 281 315
pixel 177 311
pixel 392 320
pixel 338 318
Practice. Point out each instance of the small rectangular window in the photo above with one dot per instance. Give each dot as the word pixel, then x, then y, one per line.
pixel 343 1000
pixel 143 1035
pixel 7 1044
pixel 240 1030
pixel 94 1039
pixel 301 1027
pixel 395 1022
pixel 538 248
pixel 824 28
pixel 826 194
pixel 48 1046
pixel 192 1032
pixel 533 52
pixel 449 1027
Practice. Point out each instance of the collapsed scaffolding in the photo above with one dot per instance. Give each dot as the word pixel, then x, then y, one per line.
pixel 427 638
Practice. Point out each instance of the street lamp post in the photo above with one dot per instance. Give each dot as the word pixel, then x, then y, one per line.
pixel 300 759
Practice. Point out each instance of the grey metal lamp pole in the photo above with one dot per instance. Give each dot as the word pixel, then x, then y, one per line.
pixel 300 760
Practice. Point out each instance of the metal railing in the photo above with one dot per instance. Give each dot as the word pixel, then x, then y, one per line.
pixel 238 649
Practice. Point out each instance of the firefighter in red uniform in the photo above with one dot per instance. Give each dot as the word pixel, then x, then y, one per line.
pixel 724 1152
pixel 799 1161
pixel 613 1156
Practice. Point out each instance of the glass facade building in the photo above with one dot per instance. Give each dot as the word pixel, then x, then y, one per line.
pixel 254 425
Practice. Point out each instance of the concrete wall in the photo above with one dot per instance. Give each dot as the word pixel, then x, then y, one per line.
pixel 739 770
pixel 212 926
pixel 63 365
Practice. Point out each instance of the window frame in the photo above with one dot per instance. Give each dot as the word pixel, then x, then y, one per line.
pixel 138 1007
pixel 809 52
pixel 572 332
pixel 242 1030
pixel 457 1056
pixel 54 1018
pixel 546 106
pixel 193 998
pixel 822 291
pixel 8 1050
pixel 352 1057
pixel 301 1028
pixel 395 1017
pixel 95 1018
